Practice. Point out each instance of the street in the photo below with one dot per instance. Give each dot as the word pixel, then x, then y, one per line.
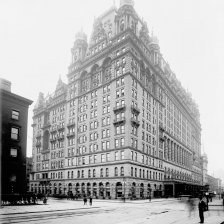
pixel 158 211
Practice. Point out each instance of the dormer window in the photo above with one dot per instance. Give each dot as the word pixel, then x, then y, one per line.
pixel 122 26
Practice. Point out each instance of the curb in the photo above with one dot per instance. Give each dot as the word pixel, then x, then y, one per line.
pixel 57 210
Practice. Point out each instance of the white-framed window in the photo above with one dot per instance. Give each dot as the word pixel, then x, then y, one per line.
pixel 13 152
pixel 15 115
pixel 14 133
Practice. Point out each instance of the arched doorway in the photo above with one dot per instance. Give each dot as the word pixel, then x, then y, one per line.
pixel 132 191
pixel 149 190
pixel 88 189
pixel 118 190
pixel 83 192
pixel 60 188
pixel 101 190
pixel 94 189
pixel 55 188
pixel 141 190
pixel 70 187
pixel 77 190
pixel 108 189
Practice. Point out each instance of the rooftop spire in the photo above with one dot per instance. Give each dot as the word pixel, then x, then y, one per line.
pixel 126 2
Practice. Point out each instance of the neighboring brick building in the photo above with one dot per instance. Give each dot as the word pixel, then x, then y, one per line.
pixel 14 115
pixel 123 124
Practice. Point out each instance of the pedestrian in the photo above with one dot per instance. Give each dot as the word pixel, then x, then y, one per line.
pixel 90 200
pixel 149 198
pixel 201 209
pixel 85 200
pixel 191 206
pixel 45 200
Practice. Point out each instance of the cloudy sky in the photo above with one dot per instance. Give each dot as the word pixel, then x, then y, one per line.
pixel 36 37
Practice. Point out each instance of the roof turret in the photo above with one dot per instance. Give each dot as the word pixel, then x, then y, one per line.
pixel 126 2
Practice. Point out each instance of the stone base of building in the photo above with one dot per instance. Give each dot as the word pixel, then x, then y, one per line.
pixel 105 189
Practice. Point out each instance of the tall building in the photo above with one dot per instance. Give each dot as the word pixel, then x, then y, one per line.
pixel 204 169
pixel 123 125
pixel 14 115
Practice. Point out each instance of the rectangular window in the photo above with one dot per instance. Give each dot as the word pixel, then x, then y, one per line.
pixel 108 157
pixel 122 155
pixel 116 155
pixel 102 158
pixel 116 143
pixel 14 133
pixel 95 158
pixel 15 115
pixel 13 152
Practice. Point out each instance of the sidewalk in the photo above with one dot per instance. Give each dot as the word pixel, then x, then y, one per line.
pixel 215 214
pixel 64 204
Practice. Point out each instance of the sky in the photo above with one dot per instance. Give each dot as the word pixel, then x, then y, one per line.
pixel 36 37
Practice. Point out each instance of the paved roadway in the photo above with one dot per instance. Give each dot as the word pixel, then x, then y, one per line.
pixel 158 211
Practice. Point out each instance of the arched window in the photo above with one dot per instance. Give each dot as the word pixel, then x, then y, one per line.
pixel 94 173
pixel 115 171
pixel 140 173
pixel 107 172
pixel 122 25
pixel 68 174
pixel 122 171
pixel 72 174
pixel 89 173
pixel 78 174
pixel 101 172
pixel 135 172
pixel 132 171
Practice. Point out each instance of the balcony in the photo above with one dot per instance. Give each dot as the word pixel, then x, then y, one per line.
pixel 70 134
pixel 53 129
pixel 38 135
pixel 161 127
pixel 33 125
pixel 135 109
pixel 135 122
pixel 60 137
pixel 161 138
pixel 60 127
pixel 38 144
pixel 53 139
pixel 119 108
pixel 45 151
pixel 46 125
pixel 119 120
pixel 70 124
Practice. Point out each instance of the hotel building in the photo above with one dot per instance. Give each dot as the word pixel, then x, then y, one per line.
pixel 123 124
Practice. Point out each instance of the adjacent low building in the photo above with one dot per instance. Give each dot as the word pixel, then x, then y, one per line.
pixel 123 124
pixel 14 115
